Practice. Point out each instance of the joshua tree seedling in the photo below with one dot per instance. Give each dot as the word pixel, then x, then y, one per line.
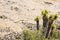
pixel 37 22
pixel 52 29
pixel 55 16
pixel 45 18
pixel 51 20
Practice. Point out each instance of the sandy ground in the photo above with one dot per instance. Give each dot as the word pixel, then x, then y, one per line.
pixel 18 14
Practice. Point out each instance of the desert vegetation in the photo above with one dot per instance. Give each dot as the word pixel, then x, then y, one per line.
pixel 48 31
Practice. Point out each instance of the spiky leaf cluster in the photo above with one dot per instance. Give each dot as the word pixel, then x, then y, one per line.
pixel 53 17
pixel 44 12
pixel 37 18
pixel 53 26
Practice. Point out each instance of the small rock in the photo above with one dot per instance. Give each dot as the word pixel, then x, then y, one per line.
pixel 3 17
pixel 16 8
pixel 11 7
pixel 48 3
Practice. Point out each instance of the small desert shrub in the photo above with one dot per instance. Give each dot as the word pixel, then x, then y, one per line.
pixel 32 35
pixel 37 35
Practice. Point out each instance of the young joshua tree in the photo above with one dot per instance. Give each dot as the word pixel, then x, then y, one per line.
pixel 53 25
pixel 51 20
pixel 52 29
pixel 37 22
pixel 45 18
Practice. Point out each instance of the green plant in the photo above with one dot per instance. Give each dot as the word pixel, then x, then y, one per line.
pixel 45 18
pixel 44 12
pixel 52 29
pixel 52 18
pixel 49 25
pixel 47 22
pixel 37 21
pixel 30 35
pixel 55 16
pixel 37 35
pixel 56 35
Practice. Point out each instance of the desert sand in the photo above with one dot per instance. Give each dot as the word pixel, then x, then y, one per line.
pixel 15 15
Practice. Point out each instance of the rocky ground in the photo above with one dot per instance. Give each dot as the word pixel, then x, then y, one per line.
pixel 15 15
